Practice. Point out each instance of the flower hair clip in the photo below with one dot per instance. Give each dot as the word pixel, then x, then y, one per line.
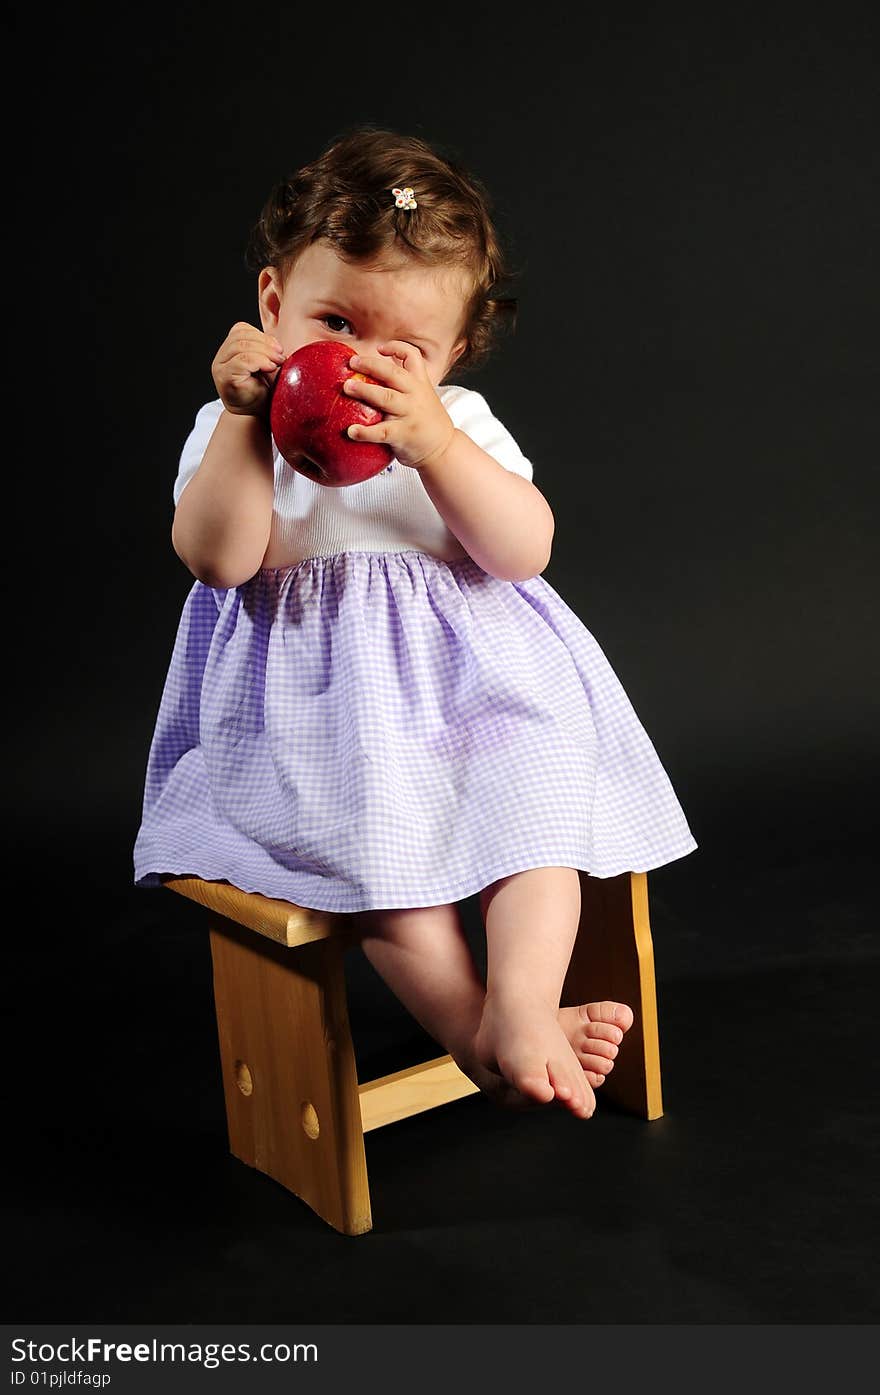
pixel 403 198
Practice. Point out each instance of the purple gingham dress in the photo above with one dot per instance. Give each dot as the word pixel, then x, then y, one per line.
pixel 390 728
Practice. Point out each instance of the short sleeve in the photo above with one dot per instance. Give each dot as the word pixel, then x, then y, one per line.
pixel 196 444
pixel 470 412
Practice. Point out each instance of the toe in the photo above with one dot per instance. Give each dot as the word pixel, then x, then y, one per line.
pixel 598 1064
pixel 616 1014
pixel 574 1093
pixel 623 1015
pixel 602 1031
pixel 593 1025
pixel 537 1087
pixel 595 1046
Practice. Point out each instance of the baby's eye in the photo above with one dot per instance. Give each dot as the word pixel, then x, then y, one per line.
pixel 335 323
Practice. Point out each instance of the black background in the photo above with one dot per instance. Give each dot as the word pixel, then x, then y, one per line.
pixel 693 207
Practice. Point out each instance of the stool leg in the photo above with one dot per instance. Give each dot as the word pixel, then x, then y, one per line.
pixel 289 1073
pixel 613 957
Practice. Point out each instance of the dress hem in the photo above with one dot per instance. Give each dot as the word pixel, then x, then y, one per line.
pixel 153 879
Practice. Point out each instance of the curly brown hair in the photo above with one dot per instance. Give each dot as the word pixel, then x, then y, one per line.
pixel 344 197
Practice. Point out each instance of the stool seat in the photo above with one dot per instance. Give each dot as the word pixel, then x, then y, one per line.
pixel 294 1107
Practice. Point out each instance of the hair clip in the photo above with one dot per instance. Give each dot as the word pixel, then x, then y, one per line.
pixel 403 198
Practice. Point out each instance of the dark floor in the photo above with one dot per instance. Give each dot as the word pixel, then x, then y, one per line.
pixel 753 1200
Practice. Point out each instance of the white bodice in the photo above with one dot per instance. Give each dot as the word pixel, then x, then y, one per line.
pixel 391 512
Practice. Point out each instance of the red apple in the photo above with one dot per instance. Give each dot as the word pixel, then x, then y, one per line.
pixel 309 417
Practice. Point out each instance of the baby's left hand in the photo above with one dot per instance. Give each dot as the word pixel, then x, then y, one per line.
pixel 417 426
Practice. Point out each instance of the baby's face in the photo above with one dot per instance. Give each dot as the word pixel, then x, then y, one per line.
pixel 367 303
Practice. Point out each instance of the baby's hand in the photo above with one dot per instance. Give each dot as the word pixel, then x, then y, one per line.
pixel 417 426
pixel 243 358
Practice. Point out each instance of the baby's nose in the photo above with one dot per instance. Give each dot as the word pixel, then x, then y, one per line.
pixel 366 346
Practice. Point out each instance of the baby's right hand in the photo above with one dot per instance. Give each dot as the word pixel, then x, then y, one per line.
pixel 238 369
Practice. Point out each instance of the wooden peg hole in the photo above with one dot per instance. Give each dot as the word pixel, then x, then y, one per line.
pixel 243 1078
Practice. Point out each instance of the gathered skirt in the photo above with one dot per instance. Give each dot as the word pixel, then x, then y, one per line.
pixel 388 729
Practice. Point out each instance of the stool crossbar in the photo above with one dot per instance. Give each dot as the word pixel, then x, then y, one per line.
pixel 294 1107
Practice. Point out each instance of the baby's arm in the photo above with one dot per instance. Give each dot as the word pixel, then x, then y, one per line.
pixel 500 519
pixel 224 515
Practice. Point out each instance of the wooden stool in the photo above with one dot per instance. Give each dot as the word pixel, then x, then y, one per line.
pixel 294 1107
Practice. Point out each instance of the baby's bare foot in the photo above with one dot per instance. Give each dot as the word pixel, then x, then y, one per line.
pixel 524 1042
pixel 595 1031
pixel 491 1083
